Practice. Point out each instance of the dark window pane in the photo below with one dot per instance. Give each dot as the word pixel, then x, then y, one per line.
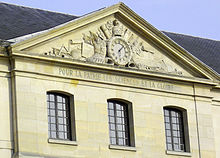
pixel 59 99
pixel 52 105
pixel 169 147
pixel 53 127
pixel 167 119
pixel 174 129
pixel 65 136
pixel 173 113
pixel 175 140
pixel 65 128
pixel 60 128
pixel 168 133
pixel 118 123
pixel 174 120
pixel 60 113
pixel 60 106
pixel 118 107
pixel 174 133
pixel 120 141
pixel 167 125
pixel 51 97
pixel 166 112
pixel 112 126
pixel 113 140
pixel 111 112
pixel 120 134
pixel 61 135
pixel 176 147
pixel 52 112
pixel 58 122
pixel 119 120
pixel 64 100
pixel 122 114
pixel 110 105
pixel 52 120
pixel 112 134
pixel 112 119
pixel 119 113
pixel 119 127
pixel 169 140
pixel 122 108
pixel 174 126
pixel 53 135
pixel 182 148
pixel 177 114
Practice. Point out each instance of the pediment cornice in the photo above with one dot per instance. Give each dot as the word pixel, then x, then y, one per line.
pixel 123 14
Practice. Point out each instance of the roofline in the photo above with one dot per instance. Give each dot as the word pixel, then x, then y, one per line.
pixel 171 42
pixel 67 24
pixel 191 54
pixel 125 12
pixel 192 36
pixel 38 9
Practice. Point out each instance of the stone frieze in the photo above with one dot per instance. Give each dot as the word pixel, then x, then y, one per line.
pixel 113 44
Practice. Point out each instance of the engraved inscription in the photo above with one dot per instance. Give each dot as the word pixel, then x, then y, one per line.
pixel 129 81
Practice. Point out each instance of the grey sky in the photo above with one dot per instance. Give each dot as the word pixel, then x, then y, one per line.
pixel 192 17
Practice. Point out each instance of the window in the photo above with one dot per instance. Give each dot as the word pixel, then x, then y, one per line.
pixel 120 123
pixel 60 116
pixel 175 120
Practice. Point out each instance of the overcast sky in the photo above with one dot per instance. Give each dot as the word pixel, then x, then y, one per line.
pixel 192 17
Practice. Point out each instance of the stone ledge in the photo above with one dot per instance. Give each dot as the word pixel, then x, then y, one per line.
pixel 125 148
pixel 187 154
pixel 64 142
pixel 4 144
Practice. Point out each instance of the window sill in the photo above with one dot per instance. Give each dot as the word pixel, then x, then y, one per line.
pixel 187 154
pixel 65 142
pixel 125 148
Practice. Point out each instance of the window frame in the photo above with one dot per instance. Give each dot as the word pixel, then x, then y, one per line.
pixel 129 129
pixel 71 117
pixel 183 126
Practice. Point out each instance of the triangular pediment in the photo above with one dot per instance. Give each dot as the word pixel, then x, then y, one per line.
pixel 115 37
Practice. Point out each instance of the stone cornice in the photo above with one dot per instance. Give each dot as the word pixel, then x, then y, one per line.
pixel 146 29
pixel 129 71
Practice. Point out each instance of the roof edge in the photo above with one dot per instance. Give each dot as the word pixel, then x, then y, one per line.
pixel 146 27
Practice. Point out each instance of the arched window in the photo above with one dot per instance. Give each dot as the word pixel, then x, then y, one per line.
pixel 121 131
pixel 61 123
pixel 176 127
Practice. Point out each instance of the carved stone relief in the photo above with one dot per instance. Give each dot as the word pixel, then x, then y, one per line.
pixel 114 44
pixel 73 51
pixel 4 46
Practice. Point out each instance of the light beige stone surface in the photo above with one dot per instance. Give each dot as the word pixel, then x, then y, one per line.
pixel 33 71
pixel 92 119
pixel 6 144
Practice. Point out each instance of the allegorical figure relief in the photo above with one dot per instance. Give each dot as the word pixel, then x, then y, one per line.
pixel 99 46
pixel 142 58
pixel 116 29
pixel 113 43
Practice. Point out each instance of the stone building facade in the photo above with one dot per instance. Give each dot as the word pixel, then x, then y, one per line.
pixel 106 85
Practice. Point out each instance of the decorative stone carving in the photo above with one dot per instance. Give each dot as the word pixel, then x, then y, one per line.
pixel 117 29
pixel 114 44
pixel 99 47
pixel 3 46
pixel 72 51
